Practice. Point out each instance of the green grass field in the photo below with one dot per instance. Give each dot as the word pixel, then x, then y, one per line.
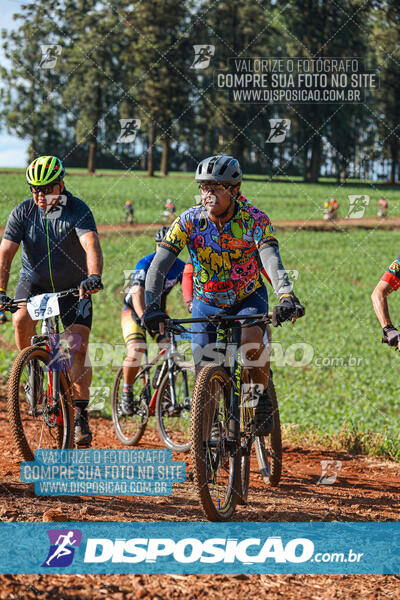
pixel 347 383
pixel 106 195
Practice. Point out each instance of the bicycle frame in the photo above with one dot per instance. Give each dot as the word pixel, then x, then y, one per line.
pixel 151 399
pixel 235 369
pixel 50 338
pixel 168 365
pixel 232 324
pixel 57 363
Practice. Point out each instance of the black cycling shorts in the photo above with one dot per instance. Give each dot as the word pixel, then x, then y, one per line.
pixel 72 310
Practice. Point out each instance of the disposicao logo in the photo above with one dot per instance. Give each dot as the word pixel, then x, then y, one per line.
pixel 62 547
pixel 190 550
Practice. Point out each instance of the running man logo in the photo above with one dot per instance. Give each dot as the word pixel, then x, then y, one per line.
pixel 84 308
pixel 55 205
pixel 357 206
pixel 62 547
pixel 329 471
pixel 50 54
pixel 98 397
pixel 203 54
pixel 290 275
pixel 278 131
pixel 129 129
pixel 251 393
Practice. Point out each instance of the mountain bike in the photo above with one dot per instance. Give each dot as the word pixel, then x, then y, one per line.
pixel 167 395
pixel 40 399
pixel 222 423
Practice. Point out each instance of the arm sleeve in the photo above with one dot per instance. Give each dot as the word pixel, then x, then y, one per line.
pixel 160 265
pixel 392 274
pixel 85 220
pixel 272 263
pixel 14 230
pixel 176 237
pixel 187 284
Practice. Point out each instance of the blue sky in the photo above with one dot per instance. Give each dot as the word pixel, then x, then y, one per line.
pixel 13 151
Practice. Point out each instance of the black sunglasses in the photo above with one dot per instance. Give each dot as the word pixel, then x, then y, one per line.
pixel 46 189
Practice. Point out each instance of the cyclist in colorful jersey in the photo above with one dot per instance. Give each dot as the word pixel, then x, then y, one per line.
pixel 389 282
pixel 60 250
pixel 225 235
pixel 132 312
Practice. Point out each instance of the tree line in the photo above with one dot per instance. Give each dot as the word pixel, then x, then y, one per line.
pixel 77 72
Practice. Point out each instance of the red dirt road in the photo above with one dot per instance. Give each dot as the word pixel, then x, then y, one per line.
pixel 391 223
pixel 366 489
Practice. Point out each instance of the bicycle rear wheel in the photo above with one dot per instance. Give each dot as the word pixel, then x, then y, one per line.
pixel 269 448
pixel 130 428
pixel 34 419
pixel 173 420
pixel 215 460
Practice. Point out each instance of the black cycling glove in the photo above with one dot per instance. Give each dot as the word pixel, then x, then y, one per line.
pixel 91 283
pixel 284 311
pixel 300 309
pixel 391 335
pixel 4 300
pixel 152 317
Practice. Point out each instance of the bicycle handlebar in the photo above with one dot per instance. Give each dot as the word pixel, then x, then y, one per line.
pixel 176 325
pixel 63 294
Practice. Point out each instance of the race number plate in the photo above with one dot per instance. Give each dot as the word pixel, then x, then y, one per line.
pixel 43 306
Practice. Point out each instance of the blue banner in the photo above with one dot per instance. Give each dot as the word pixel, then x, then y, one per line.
pixel 130 472
pixel 226 548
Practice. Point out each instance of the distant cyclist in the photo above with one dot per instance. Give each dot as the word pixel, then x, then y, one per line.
pixel 129 213
pixel 132 312
pixel 382 208
pixel 60 250
pixel 225 235
pixel 389 282
pixel 169 211
pixel 333 209
pixel 325 211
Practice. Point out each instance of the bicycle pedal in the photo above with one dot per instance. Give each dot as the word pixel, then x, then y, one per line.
pixel 83 446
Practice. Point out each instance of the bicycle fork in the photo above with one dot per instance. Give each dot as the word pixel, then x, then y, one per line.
pixel 235 372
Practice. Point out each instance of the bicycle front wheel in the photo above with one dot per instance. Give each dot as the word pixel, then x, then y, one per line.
pixel 37 419
pixel 173 418
pixel 269 448
pixel 215 459
pixel 130 427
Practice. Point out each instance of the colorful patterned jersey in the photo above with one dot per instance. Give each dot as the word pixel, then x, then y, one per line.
pixel 392 274
pixel 225 265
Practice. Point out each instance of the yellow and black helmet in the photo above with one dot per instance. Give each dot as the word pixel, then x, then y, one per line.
pixel 44 170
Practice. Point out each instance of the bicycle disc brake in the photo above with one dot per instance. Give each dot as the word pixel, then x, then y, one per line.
pixel 50 413
pixel 143 411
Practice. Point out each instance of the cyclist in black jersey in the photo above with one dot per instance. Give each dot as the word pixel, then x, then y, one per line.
pixel 60 250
